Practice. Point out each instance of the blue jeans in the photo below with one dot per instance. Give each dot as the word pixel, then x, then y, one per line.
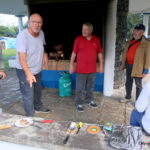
pixel 31 95
pixel 136 118
pixel 84 88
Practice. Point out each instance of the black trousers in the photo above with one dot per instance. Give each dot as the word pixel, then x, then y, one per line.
pixel 129 83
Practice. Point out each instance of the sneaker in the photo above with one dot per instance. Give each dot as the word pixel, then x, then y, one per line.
pixel 79 108
pixel 92 104
pixel 125 100
pixel 42 110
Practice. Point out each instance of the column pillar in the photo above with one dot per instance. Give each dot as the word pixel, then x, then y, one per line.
pixel 20 22
pixel 110 47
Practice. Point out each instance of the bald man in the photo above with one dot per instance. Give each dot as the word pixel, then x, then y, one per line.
pixel 30 56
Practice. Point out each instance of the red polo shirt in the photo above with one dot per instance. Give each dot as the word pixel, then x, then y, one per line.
pixel 132 51
pixel 86 51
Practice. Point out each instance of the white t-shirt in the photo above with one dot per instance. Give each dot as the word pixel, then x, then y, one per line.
pixel 34 49
pixel 143 105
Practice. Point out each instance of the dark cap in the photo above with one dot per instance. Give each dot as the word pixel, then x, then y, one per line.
pixel 140 27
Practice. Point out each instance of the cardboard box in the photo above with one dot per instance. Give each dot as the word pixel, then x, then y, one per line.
pixel 60 65
pixel 52 65
pixel 63 65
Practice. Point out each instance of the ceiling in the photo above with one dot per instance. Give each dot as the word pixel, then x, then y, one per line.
pixel 13 7
pixel 19 7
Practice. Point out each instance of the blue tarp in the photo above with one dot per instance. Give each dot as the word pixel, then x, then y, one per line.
pixel 10 42
pixel 50 79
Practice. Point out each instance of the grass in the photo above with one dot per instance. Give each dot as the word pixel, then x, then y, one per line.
pixel 6 54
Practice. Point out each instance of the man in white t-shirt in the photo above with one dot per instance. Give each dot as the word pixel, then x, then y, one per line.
pixel 29 59
pixel 141 115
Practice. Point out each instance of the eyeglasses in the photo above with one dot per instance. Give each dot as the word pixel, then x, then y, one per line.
pixel 37 22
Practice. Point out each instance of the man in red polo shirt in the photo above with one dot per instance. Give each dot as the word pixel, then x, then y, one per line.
pixel 86 49
pixel 136 60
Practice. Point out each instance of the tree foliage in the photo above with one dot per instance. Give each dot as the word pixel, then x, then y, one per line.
pixel 8 31
pixel 132 20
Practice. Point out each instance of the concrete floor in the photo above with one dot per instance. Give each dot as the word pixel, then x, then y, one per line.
pixel 63 109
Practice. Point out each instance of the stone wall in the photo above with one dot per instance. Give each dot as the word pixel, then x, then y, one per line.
pixel 121 30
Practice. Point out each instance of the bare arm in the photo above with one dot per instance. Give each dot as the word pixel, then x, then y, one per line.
pixel 23 62
pixel 73 57
pixel 45 59
pixel 71 67
pixel 101 62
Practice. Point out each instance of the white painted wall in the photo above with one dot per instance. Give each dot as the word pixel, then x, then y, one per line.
pixel 110 48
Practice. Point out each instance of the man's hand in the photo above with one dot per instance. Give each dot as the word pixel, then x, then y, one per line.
pixel 3 74
pixel 45 59
pixel 30 78
pixel 71 69
pixel 71 66
pixel 144 75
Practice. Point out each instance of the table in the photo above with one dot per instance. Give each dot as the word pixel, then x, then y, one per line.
pixel 50 137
